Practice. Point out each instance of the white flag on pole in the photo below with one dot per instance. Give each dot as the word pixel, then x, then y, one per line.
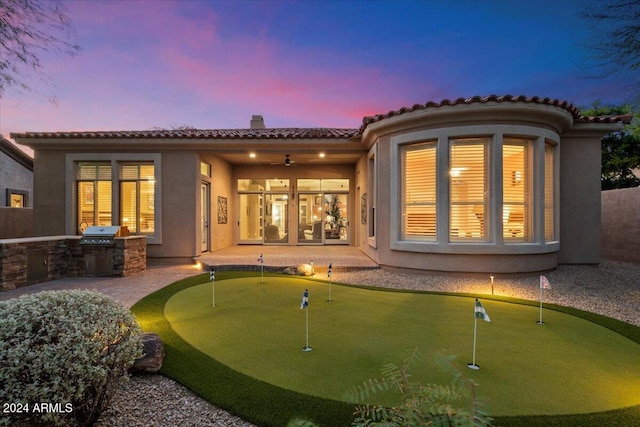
pixel 305 299
pixel 544 283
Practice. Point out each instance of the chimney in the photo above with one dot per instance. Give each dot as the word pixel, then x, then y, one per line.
pixel 257 122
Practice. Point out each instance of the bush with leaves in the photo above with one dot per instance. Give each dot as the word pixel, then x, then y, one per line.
pixel 431 404
pixel 67 350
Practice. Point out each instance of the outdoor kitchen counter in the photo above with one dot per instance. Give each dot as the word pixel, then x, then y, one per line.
pixel 30 260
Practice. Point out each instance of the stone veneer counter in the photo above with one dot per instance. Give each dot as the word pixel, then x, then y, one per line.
pixel 31 260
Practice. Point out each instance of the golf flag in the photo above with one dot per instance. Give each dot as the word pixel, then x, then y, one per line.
pixel 544 283
pixel 329 271
pixel 481 313
pixel 212 275
pixel 260 259
pixel 305 299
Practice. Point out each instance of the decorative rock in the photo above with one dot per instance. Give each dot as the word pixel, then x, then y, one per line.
pixel 153 354
pixel 305 270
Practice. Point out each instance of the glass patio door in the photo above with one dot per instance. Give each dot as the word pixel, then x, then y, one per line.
pixel 250 219
pixel 336 218
pixel 204 216
pixel 310 222
pixel 276 218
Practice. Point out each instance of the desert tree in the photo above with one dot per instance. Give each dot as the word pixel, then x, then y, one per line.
pixel 28 29
pixel 614 40
pixel 620 150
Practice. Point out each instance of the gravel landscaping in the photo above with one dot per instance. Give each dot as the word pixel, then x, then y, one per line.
pixel 611 289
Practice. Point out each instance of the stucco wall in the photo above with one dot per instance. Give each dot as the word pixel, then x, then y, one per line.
pixel 180 188
pixel 49 193
pixel 621 224
pixel 579 200
pixel 15 176
pixel 16 222
pixel 220 234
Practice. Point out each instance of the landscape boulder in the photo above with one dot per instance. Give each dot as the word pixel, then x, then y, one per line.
pixel 153 354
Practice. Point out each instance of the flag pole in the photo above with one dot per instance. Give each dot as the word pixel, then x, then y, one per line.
pixel 306 347
pixel 544 284
pixel 540 322
pixel 473 365
pixel 212 278
pixel 329 275
pixel 305 306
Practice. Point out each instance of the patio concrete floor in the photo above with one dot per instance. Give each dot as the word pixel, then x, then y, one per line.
pixel 277 257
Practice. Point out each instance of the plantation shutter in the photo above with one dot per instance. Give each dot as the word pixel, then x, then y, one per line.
pixel 419 207
pixel 468 189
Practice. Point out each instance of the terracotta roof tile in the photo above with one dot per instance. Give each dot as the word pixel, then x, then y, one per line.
pixel 269 133
pixel 324 133
pixel 475 99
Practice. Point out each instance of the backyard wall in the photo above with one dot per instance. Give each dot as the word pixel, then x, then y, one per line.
pixel 15 222
pixel 621 224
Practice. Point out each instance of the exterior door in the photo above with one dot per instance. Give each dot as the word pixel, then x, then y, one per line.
pixel 310 223
pixel 276 218
pixel 205 213
pixel 250 219
pixel 336 218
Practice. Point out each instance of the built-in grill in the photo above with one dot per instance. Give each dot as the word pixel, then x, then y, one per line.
pixel 97 235
pixel 98 246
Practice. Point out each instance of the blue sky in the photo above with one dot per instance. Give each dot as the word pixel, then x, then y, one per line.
pixel 212 64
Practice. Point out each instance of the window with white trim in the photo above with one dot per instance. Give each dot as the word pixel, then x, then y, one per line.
pixel 516 194
pixel 419 192
pixel 549 192
pixel 468 189
pixel 137 197
pixel 93 190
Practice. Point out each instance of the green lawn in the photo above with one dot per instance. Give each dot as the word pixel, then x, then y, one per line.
pixel 568 366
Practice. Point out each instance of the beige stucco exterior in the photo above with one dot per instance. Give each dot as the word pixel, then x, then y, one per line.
pixel 369 159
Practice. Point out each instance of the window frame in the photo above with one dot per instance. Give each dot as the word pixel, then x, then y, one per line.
pixel 137 181
pixel 495 243
pixel 72 160
pixel 405 204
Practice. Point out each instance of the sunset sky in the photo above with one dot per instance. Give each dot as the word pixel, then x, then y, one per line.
pixel 212 64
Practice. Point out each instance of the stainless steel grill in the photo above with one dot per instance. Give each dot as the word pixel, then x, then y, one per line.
pixel 103 235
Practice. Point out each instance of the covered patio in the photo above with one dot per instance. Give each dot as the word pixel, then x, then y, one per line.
pixel 245 257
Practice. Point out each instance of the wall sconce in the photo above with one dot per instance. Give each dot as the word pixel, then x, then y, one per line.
pixel 516 177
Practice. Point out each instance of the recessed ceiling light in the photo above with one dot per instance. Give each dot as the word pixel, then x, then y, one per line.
pixel 321 155
pixel 252 155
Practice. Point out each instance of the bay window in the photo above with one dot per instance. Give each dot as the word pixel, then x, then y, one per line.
pixel 480 189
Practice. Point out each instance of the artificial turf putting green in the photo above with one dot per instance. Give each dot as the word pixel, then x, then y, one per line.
pixel 569 365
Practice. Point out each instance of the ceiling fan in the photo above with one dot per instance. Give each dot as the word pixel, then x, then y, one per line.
pixel 287 162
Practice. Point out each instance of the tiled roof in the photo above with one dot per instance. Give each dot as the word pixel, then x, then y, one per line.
pixel 323 133
pixel 495 98
pixel 269 133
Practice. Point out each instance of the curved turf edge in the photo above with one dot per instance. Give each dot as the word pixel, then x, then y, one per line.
pixel 267 405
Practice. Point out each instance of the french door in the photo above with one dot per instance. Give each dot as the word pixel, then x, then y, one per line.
pixel 205 213
pixel 323 218
pixel 264 218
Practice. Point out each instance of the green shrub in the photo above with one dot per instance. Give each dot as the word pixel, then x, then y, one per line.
pixel 430 404
pixel 62 354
